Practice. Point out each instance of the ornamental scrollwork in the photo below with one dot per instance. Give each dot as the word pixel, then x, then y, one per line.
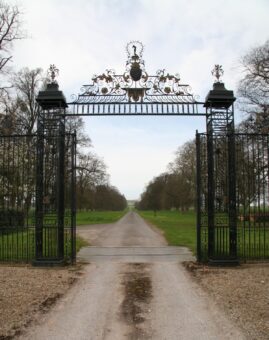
pixel 167 84
pixel 135 85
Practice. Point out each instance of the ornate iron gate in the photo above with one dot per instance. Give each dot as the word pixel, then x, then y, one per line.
pixel 37 173
pixel 251 212
pixel 32 226
pixel 17 197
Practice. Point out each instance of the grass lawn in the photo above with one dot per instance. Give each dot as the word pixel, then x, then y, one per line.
pixel 179 228
pixel 20 246
pixel 98 217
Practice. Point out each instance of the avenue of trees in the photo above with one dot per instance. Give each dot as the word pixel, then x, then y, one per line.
pixel 18 116
pixel 176 187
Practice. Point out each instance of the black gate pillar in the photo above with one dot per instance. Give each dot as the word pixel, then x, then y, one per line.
pixel 50 152
pixel 221 171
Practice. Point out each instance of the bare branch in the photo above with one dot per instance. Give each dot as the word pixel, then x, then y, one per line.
pixel 253 89
pixel 10 31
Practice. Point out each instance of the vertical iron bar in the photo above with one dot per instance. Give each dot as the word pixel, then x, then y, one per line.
pixel 210 186
pixel 198 196
pixel 61 187
pixel 39 185
pixel 232 195
pixel 73 199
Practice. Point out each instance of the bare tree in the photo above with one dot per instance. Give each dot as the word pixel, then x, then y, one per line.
pixel 26 84
pixel 109 198
pixel 175 188
pixel 91 172
pixel 76 124
pixel 10 30
pixel 8 111
pixel 253 89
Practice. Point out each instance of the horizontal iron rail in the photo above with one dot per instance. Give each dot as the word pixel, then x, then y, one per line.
pixel 136 109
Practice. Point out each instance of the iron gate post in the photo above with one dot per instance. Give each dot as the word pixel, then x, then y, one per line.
pixel 51 128
pixel 220 124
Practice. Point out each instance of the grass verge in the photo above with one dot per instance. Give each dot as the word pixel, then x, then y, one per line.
pixel 98 217
pixel 179 228
pixel 81 242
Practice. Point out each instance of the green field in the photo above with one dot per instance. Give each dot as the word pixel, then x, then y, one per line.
pixel 179 228
pixel 98 217
pixel 20 245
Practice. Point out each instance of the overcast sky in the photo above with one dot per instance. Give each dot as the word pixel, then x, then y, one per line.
pixel 86 37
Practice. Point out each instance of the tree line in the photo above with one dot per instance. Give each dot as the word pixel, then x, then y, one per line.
pixel 176 188
pixel 18 116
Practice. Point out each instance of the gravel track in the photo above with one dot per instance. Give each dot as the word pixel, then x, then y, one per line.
pixel 119 300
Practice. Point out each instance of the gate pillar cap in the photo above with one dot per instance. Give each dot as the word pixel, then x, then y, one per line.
pixel 219 97
pixel 51 97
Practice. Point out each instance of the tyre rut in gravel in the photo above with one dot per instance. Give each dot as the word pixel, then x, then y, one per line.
pixel 137 285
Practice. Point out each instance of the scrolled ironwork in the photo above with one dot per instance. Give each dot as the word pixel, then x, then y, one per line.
pixel 135 84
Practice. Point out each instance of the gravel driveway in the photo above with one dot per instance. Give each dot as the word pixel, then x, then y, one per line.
pixel 118 298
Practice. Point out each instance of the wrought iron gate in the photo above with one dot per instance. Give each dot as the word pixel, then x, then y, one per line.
pixel 17 198
pixel 37 173
pixel 251 212
pixel 28 215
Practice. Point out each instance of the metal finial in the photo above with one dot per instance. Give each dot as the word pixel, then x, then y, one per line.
pixel 53 72
pixel 137 48
pixel 217 72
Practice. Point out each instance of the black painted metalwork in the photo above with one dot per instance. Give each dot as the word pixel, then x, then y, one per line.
pixel 38 172
pixel 17 197
pixel 135 92
pixel 29 220
pixel 221 206
pixel 54 178
pixel 198 199
pixel 115 108
pixel 247 219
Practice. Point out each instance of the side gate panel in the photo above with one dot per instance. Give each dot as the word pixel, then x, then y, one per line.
pixel 17 197
pixel 248 179
pixel 252 159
